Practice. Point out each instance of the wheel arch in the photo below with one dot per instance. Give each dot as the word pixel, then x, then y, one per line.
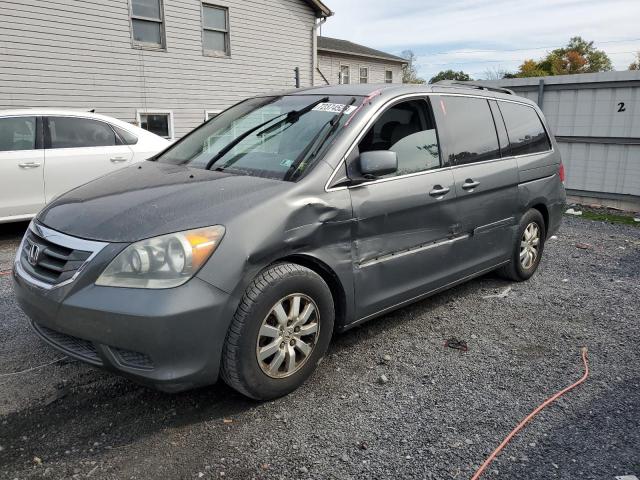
pixel 544 211
pixel 331 279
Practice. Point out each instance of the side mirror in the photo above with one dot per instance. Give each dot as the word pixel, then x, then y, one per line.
pixel 377 163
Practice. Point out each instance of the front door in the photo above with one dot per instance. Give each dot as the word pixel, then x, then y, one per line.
pixel 79 150
pixel 405 224
pixel 485 175
pixel 21 168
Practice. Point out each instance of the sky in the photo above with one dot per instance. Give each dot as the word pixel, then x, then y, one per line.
pixel 480 35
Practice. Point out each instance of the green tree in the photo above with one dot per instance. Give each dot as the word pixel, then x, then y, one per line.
pixel 636 63
pixel 578 56
pixel 450 75
pixel 409 70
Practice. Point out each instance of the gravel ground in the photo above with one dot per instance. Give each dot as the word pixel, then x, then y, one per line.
pixel 438 415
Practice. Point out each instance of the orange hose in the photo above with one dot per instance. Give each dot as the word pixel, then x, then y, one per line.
pixel 4 272
pixel 521 425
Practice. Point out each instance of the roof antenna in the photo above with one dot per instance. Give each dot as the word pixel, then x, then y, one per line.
pixel 93 110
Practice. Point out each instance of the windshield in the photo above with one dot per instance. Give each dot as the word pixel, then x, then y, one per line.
pixel 275 137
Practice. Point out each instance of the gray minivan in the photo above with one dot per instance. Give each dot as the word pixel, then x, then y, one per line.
pixel 240 249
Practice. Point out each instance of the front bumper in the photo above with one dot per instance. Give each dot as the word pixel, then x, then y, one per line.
pixel 170 339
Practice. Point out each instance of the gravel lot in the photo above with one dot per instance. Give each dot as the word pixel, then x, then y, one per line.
pixel 441 412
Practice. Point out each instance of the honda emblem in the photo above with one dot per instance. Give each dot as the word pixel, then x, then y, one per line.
pixel 34 253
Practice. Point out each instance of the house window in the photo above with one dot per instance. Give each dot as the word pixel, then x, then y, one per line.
pixel 209 114
pixel 147 23
pixel 388 76
pixel 215 30
pixel 158 121
pixel 344 74
pixel 364 75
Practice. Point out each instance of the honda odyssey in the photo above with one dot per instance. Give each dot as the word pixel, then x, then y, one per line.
pixel 239 250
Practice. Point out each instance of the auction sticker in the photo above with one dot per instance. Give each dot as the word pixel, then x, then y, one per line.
pixel 334 108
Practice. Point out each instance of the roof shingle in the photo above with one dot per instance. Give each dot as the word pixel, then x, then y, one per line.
pixel 329 44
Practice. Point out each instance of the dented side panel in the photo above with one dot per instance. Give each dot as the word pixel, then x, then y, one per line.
pixel 295 223
pixel 400 235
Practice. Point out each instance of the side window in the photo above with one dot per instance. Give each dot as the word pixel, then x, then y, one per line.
pixel 215 34
pixel 408 129
pixel 524 128
pixel 345 75
pixel 126 136
pixel 160 123
pixel 147 23
pixel 17 133
pixel 364 74
pixel 470 129
pixel 77 132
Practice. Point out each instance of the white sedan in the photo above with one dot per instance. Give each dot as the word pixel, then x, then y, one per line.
pixel 44 153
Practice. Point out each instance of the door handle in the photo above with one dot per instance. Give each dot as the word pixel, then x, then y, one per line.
pixel 470 184
pixel 29 165
pixel 118 159
pixel 439 191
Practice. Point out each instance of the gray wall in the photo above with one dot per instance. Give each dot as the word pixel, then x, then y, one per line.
pixel 329 64
pixel 79 55
pixel 600 145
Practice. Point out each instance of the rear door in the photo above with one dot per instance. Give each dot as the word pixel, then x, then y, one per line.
pixel 79 150
pixel 485 176
pixel 21 167
pixel 405 223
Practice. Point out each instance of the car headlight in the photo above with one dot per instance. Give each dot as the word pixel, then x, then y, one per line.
pixel 162 262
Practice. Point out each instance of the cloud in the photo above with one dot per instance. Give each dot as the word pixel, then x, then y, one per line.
pixel 474 35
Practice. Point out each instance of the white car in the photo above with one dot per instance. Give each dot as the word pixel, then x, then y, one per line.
pixel 45 152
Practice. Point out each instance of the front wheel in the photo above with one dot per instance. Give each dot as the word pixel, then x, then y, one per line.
pixel 279 333
pixel 527 247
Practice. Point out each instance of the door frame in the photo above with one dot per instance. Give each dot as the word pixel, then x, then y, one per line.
pixel 345 157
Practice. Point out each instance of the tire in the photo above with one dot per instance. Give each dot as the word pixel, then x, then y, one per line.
pixel 515 270
pixel 246 341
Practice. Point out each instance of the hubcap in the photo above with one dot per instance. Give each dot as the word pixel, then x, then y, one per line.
pixel 288 335
pixel 530 246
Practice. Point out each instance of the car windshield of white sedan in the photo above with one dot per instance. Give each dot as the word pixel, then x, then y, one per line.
pixel 274 137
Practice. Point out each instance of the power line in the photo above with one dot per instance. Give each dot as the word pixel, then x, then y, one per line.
pixel 453 52
pixel 487 61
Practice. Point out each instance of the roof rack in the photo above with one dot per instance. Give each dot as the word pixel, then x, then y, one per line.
pixel 455 83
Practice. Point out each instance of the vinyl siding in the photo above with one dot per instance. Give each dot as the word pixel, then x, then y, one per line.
pixel 79 55
pixel 329 65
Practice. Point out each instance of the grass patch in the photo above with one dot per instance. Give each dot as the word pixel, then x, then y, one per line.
pixel 609 217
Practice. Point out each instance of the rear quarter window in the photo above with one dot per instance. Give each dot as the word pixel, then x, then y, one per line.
pixel 126 136
pixel 524 128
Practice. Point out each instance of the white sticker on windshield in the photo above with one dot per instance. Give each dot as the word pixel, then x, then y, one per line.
pixel 334 108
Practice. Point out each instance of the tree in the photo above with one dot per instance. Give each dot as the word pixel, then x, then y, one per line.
pixel 579 56
pixel 530 68
pixel 496 74
pixel 450 75
pixel 409 70
pixel 636 64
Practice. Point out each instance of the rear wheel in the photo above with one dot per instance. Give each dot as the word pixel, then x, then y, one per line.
pixel 279 333
pixel 527 247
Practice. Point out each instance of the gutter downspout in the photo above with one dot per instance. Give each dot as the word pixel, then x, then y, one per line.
pixel 314 53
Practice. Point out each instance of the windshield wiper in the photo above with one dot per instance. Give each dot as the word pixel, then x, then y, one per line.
pixel 291 116
pixel 334 122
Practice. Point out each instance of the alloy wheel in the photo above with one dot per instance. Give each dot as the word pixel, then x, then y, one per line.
pixel 530 245
pixel 288 335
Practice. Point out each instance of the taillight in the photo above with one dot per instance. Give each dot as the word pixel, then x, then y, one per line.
pixel 561 172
